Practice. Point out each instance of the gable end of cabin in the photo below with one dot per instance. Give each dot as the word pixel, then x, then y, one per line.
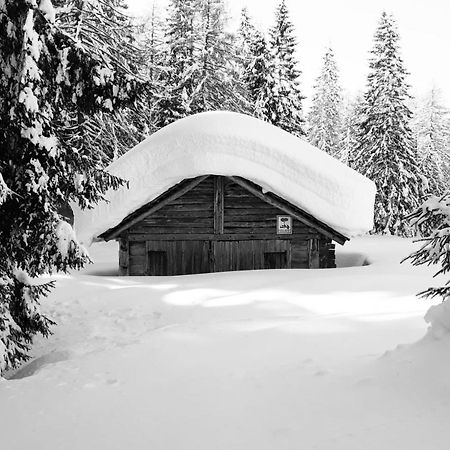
pixel 217 223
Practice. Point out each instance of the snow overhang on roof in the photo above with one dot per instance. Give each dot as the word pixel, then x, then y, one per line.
pixel 232 144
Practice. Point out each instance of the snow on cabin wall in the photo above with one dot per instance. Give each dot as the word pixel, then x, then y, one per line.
pixel 225 143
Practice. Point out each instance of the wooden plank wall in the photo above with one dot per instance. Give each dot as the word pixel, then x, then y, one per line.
pixel 196 240
pixel 124 256
pixel 192 213
pixel 248 254
pixel 245 213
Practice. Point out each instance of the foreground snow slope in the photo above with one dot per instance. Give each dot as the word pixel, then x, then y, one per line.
pixel 236 361
pixel 227 143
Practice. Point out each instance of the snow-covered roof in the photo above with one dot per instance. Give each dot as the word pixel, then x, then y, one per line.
pixel 226 143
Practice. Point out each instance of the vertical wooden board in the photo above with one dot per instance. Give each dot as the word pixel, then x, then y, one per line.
pixel 211 256
pixel 179 262
pixel 244 253
pixel 227 261
pixel 218 204
pixel 171 259
pixel 184 264
pixel 123 256
pixel 206 265
pixel 222 256
pixel 238 253
pixel 249 262
pixel 313 253
pixel 194 257
pixel 218 245
pixel 157 263
pixel 166 261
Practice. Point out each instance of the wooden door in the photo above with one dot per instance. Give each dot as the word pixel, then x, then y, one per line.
pixel 157 263
pixel 251 255
pixel 178 257
pixel 275 260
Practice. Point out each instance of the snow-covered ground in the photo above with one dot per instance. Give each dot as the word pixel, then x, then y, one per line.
pixel 264 360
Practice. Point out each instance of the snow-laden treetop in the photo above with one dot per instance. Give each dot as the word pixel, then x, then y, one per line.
pixel 226 143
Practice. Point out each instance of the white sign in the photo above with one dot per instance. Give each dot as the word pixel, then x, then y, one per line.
pixel 284 225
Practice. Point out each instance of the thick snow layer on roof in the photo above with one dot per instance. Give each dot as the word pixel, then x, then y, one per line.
pixel 226 143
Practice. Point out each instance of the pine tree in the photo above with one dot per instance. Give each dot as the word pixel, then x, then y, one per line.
pixel 434 215
pixel 385 152
pixel 51 72
pixel 284 101
pixel 432 132
pixel 180 76
pixel 353 116
pixel 151 34
pixel 245 36
pixel 257 77
pixel 325 116
pixel 218 86
pixel 111 134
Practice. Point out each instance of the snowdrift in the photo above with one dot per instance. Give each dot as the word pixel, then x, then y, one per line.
pixel 226 143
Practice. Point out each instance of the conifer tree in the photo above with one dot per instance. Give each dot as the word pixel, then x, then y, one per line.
pixel 325 116
pixel 51 74
pixel 434 215
pixel 257 76
pixel 285 98
pixel 218 86
pixel 385 152
pixel 152 36
pixel 109 134
pixel 353 115
pixel 245 36
pixel 180 75
pixel 246 30
pixel 432 132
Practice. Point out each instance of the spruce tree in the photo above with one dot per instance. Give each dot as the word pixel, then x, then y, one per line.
pixel 246 33
pixel 432 132
pixel 111 134
pixel 51 75
pixel 434 215
pixel 285 98
pixel 352 117
pixel 181 64
pixel 151 35
pixel 257 76
pixel 218 85
pixel 385 151
pixel 325 116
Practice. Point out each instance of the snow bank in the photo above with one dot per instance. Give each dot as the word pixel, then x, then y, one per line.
pixel 438 316
pixel 226 143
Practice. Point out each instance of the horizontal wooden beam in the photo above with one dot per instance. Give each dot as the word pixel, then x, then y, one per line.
pixel 138 237
pixel 296 212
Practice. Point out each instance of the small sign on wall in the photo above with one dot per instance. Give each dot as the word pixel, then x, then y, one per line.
pixel 284 225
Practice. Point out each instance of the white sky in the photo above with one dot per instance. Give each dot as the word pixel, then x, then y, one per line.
pixel 348 26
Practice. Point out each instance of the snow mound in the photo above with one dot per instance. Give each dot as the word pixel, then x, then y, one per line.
pixel 438 316
pixel 226 143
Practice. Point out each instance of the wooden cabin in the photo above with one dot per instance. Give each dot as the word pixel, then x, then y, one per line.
pixel 217 223
pixel 222 191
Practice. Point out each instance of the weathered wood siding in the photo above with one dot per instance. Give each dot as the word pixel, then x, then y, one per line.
pixel 192 213
pixel 219 226
pixel 244 213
